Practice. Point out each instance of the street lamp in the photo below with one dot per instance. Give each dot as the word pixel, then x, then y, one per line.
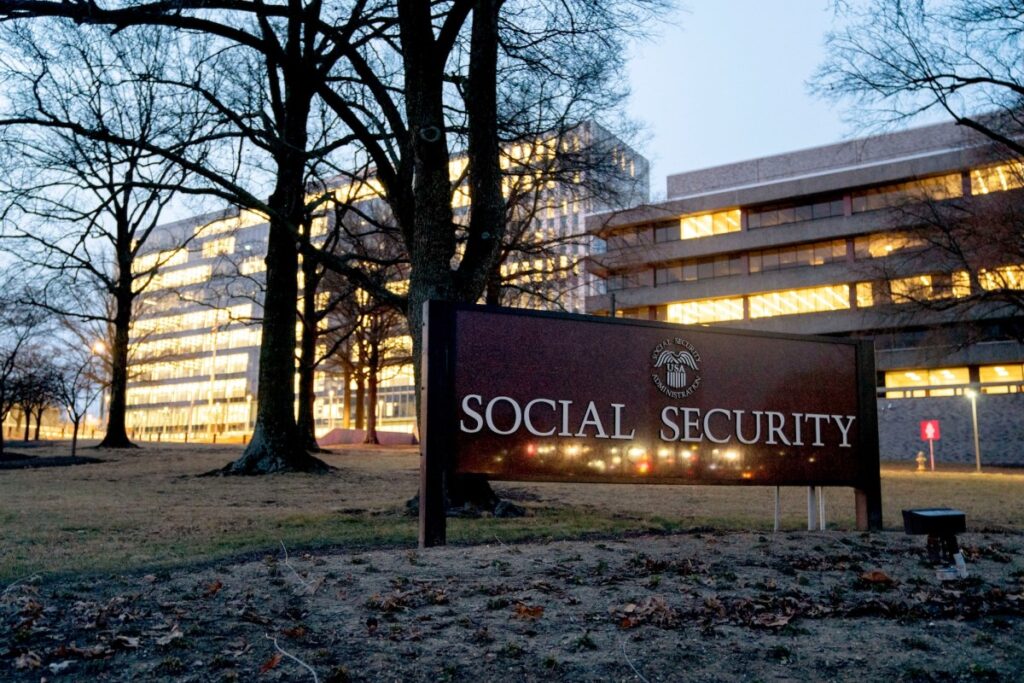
pixel 973 396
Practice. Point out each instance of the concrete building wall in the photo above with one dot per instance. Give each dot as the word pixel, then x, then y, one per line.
pixel 1000 428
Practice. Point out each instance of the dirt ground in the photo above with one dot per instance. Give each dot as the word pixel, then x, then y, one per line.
pixel 700 606
pixel 136 569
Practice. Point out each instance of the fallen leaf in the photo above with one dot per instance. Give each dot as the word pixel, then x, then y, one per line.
pixel 60 667
pixel 524 611
pixel 626 622
pixel 213 589
pixel 371 625
pixel 298 633
pixel 877 576
pixel 170 637
pixel 126 642
pixel 28 660
pixel 271 663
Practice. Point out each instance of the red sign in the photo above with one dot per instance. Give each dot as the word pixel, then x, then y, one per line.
pixel 929 430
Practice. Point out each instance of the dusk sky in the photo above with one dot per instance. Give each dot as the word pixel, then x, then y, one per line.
pixel 727 82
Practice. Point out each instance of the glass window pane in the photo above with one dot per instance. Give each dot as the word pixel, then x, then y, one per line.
pixel 770 259
pixel 787 215
pixel 755 262
pixel 804 213
pixel 690 271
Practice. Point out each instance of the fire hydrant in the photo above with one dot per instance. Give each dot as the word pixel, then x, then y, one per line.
pixel 921 460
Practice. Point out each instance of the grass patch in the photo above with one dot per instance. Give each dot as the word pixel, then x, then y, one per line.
pixel 146 509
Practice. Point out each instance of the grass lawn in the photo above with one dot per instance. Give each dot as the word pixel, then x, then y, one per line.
pixel 146 508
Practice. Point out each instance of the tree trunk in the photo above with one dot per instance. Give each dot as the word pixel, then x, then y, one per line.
pixel 74 438
pixel 276 445
pixel 306 421
pixel 117 435
pixel 28 422
pixel 39 420
pixel 433 238
pixel 372 369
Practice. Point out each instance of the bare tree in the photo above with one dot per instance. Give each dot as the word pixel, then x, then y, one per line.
pixel 75 387
pixel 19 325
pixel 392 75
pixel 895 60
pixel 80 211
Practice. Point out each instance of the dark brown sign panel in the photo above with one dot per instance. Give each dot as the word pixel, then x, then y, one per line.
pixel 522 395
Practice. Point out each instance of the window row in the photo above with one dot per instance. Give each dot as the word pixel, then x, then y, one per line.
pixel 242 337
pixel 204 366
pixel 1007 378
pixel 770 216
pixel 815 254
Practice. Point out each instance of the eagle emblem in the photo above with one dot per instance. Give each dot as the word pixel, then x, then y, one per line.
pixel 676 367
pixel 676 362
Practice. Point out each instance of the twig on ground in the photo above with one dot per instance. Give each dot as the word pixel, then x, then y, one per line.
pixel 499 540
pixel 289 655
pixel 23 579
pixel 630 662
pixel 306 584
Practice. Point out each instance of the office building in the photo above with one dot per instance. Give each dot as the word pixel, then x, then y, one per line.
pixel 835 240
pixel 195 343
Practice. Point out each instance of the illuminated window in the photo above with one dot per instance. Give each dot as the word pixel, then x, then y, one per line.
pixel 253 264
pixel 997 178
pixel 196 343
pixel 937 188
pixel 705 311
pixel 884 244
pixel 707 224
pixel 205 390
pixel 1005 379
pixel 223 245
pixel 163 259
pixel 191 367
pixel 865 294
pixel 919 383
pixel 244 219
pixel 179 278
pixel 194 320
pixel 1007 277
pixel 906 289
pixel 794 301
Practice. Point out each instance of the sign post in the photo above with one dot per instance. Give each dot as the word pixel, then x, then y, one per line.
pixel 930 432
pixel 519 395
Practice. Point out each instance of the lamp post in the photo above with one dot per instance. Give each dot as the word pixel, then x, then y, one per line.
pixel 973 396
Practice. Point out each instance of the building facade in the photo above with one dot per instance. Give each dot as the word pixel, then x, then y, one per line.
pixel 840 240
pixel 195 343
